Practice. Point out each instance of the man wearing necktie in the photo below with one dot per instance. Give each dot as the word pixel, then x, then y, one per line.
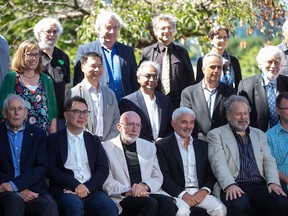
pixel 261 89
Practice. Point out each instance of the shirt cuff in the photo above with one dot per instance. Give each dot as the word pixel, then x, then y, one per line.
pixel 206 188
pixel 15 189
pixel 182 194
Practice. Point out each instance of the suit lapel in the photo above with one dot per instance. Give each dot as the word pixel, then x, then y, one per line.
pixel 63 145
pixel 121 156
pixel 5 143
pixel 141 102
pixel 176 152
pixel 260 94
pixel 160 109
pixel 27 141
pixel 219 95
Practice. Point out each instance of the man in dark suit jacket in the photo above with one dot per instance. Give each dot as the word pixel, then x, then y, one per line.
pixel 269 59
pixel 181 72
pixel 186 170
pixel 78 166
pixel 207 98
pixel 154 108
pixel 119 62
pixel 23 163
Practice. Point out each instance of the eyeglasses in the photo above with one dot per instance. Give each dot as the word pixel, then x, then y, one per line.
pixel 283 108
pixel 51 32
pixel 32 55
pixel 132 124
pixel 77 112
pixel 225 38
pixel 148 76
pixel 14 109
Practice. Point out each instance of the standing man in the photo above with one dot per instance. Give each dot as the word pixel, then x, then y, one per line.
pixel 135 179
pixel 207 98
pixel 277 139
pixel 243 165
pixel 55 61
pixel 154 108
pixel 261 89
pixel 283 46
pixel 176 68
pixel 119 63
pixel 186 170
pixel 4 58
pixel 101 100
pixel 78 166
pixel 23 163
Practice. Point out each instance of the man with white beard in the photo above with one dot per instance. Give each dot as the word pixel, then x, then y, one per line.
pixel 135 179
pixel 55 61
pixel 261 89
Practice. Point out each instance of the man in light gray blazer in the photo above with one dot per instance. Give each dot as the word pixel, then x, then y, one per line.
pixel 243 165
pixel 101 100
pixel 135 179
pixel 4 58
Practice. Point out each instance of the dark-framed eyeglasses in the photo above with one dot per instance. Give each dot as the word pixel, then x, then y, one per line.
pixel 32 55
pixel 148 76
pixel 78 112
pixel 283 108
pixel 132 124
pixel 55 31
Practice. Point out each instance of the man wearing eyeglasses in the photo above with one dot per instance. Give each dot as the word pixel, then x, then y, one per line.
pixel 277 139
pixel 154 108
pixel 135 179
pixel 207 97
pixel 78 166
pixel 55 61
pixel 23 163
pixel 101 100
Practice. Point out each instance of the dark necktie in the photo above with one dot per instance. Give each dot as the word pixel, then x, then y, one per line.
pixel 271 99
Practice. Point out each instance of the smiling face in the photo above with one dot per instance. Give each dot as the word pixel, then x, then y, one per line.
pixel 271 67
pixel 92 69
pixel 31 59
pixel 164 32
pixel 184 125
pixel 148 78
pixel 109 32
pixel 238 116
pixel 49 36
pixel 220 41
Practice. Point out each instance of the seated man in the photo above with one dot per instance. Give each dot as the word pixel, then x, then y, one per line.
pixel 154 108
pixel 277 139
pixel 135 178
pixel 101 100
pixel 78 166
pixel 23 163
pixel 243 165
pixel 186 170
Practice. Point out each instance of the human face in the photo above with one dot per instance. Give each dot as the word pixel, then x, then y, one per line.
pixel 220 41
pixel 109 32
pixel 147 78
pixel 285 35
pixel 271 68
pixel 129 127
pixel 212 71
pixel 76 123
pixel 239 117
pixel 31 59
pixel 282 111
pixel 184 125
pixel 49 36
pixel 92 69
pixel 164 32
pixel 15 114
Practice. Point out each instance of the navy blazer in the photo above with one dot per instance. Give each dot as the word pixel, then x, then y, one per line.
pixel 127 63
pixel 33 161
pixel 181 74
pixel 135 102
pixel 62 178
pixel 193 98
pixel 171 165
pixel 252 88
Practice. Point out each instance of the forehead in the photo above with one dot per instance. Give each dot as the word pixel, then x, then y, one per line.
pixel 284 101
pixel 239 106
pixel 93 60
pixel 221 32
pixel 185 117
pixel 15 102
pixel 164 23
pixel 131 118
pixel 49 26
pixel 213 60
pixel 111 22
pixel 78 105
pixel 149 69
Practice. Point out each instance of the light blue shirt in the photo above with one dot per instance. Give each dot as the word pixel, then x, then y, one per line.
pixel 278 141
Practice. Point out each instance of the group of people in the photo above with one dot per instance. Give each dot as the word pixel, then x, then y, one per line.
pixel 152 140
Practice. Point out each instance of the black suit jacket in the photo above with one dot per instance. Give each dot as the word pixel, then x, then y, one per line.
pixel 235 64
pixel 135 102
pixel 127 63
pixel 252 88
pixel 171 165
pixel 193 98
pixel 33 161
pixel 181 74
pixel 62 178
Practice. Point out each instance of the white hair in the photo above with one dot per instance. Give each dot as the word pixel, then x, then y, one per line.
pixel 40 25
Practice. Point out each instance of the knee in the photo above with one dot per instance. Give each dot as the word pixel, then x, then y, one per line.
pixel 239 206
pixel 220 211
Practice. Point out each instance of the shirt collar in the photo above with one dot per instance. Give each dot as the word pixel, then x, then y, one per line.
pixel 247 131
pixel 89 86
pixel 279 128
pixel 20 130
pixel 114 46
pixel 208 89
pixel 180 140
pixel 72 136
pixel 266 81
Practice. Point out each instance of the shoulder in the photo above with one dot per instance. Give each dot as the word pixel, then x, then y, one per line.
pixel 165 141
pixel 11 75
pixel 124 46
pixel 60 52
pixel 46 77
pixel 148 48
pixel 219 131
pixel 191 88
pixel 34 130
pixel 251 79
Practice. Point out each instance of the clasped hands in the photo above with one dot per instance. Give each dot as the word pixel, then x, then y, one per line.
pixel 138 190
pixel 197 198
pixel 27 195
pixel 81 191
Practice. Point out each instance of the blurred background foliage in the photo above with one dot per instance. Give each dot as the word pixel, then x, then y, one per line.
pixel 253 23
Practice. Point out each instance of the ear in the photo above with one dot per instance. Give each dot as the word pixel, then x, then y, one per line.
pixel 173 123
pixel 118 126
pixel 4 113
pixel 138 78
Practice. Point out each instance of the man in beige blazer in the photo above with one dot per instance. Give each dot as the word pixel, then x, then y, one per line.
pixel 243 165
pixel 135 178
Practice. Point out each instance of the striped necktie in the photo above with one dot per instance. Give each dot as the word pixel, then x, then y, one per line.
pixel 165 75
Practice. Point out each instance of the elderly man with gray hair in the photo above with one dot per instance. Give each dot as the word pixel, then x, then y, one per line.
pixel 119 62
pixel 154 108
pixel 176 69
pixel 261 89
